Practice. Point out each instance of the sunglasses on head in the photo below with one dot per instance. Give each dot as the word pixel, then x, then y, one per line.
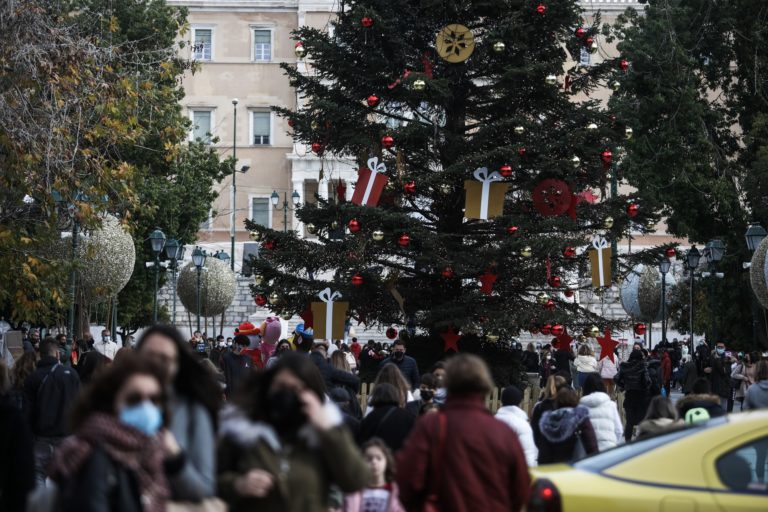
pixel 136 398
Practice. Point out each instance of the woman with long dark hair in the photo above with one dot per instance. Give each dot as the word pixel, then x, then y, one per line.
pixel 194 398
pixel 284 444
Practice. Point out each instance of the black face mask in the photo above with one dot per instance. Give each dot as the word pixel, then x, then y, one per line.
pixel 285 412
pixel 398 356
pixel 427 394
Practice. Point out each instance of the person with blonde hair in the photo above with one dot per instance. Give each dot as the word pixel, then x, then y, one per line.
pixel 445 464
pixel 585 364
pixel 546 403
pixel 390 374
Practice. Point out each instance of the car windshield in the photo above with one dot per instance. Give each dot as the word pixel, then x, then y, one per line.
pixel 604 460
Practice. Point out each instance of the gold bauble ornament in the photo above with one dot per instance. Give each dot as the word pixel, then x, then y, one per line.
pixel 650 226
pixel 608 222
pixel 576 161
pixel 446 189
pixel 615 85
pixel 378 235
pixel 526 252
pixel 499 46
pixel 335 224
pixel 255 235
pixel 551 79
pixel 299 51
pixel 258 279
pixel 591 127
pixel 594 332
pixel 628 132
pixel 542 297
pixel 608 176
pixel 455 43
pixel 274 298
pixel 492 338
pixel 286 316
pixel 311 229
pixel 519 130
pixel 419 85
pixel 593 47
pixel 314 125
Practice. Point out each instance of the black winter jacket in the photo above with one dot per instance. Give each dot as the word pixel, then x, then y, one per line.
pixel 50 392
pixel 633 376
pixel 390 423
pixel 334 377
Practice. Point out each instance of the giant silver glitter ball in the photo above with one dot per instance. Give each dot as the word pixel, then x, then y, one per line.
pixel 217 287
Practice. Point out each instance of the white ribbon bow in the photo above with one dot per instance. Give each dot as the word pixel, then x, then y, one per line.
pixel 375 167
pixel 481 174
pixel 600 243
pixel 328 297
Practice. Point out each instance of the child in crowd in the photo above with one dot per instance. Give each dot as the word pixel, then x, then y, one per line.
pixel 382 494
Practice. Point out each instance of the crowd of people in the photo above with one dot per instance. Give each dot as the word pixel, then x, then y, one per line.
pixel 262 423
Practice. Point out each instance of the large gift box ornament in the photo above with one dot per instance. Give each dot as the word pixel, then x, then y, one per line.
pixel 485 199
pixel 600 261
pixel 370 183
pixel 329 316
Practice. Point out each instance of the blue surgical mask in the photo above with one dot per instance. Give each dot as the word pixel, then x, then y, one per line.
pixel 145 417
pixel 720 351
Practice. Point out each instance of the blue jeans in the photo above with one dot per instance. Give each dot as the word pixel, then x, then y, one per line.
pixel 44 448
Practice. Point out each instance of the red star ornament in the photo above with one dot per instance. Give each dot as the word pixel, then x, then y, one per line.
pixel 607 346
pixel 486 282
pixel 563 341
pixel 450 340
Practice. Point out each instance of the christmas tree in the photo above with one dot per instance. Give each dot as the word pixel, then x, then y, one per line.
pixel 474 202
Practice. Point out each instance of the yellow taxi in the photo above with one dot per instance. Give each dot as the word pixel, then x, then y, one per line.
pixel 717 466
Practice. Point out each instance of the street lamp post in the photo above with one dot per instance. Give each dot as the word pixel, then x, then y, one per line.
pixel 198 259
pixel 175 252
pixel 157 239
pixel 275 199
pixel 664 266
pixel 715 250
pixel 691 262
pixel 233 217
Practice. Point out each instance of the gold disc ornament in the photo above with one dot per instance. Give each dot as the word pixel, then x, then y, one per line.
pixel 455 43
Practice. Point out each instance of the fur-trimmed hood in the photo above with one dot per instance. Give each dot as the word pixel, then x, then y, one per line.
pixel 706 401
pixel 559 425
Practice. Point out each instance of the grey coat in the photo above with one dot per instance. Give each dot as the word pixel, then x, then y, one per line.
pixel 757 396
pixel 193 428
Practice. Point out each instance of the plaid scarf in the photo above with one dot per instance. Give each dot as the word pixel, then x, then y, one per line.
pixel 126 446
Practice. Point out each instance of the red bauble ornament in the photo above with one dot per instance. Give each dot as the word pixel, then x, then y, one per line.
pixel 541 8
pixel 387 141
pixel 354 226
pixel 640 329
pixel 404 240
pixel 558 330
pixel 260 300
pixel 291 123
pixel 447 273
pixel 269 245
pixel 512 230
pixel 391 333
pixel 670 252
pixel 521 152
pixel 607 157
pixel 552 197
pixel 357 280
pixel 505 170
pixel 373 100
pixel 632 210
pixel 580 32
pixel 366 21
pixel 317 147
pixel 546 329
pixel 589 41
pixel 568 293
pixel 624 64
pixel 555 281
pixel 410 187
pixel 550 305
pixel 569 252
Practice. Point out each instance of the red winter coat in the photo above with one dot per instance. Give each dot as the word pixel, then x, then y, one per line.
pixel 483 465
pixel 666 369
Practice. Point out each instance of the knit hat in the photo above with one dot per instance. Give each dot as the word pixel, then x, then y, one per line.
pixel 248 328
pixel 511 396
pixel 696 415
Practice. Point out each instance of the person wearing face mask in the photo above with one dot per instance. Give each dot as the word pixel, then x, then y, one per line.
pixel 118 457
pixel 283 444
pixel 235 364
pixel 106 346
pixel 547 368
pixel 719 373
pixel 282 348
pixel 425 395
pixel 406 364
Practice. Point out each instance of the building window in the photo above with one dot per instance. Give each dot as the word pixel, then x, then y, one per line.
pixel 260 127
pixel 202 43
pixel 202 121
pixel 262 45
pixel 260 211
pixel 584 57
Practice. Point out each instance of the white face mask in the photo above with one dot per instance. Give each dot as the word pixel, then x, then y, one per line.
pixel 106 339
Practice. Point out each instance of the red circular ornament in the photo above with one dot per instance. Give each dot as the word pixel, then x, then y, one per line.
pixel 632 210
pixel 317 147
pixel 589 41
pixel 357 280
pixel 366 22
pixel 512 230
pixel 410 187
pixel 546 329
pixel 354 226
pixel 670 252
pixel 404 240
pixel 624 64
pixel 521 151
pixel 550 305
pixel 558 330
pixel 291 123
pixel 372 100
pixel 569 252
pixel 260 300
pixel 505 170
pixel 541 8
pixel 640 329
pixel 391 333
pixel 607 157
pixel 568 293
pixel 552 197
pixel 555 281
pixel 269 245
pixel 387 141
pixel 447 273
pixel 580 32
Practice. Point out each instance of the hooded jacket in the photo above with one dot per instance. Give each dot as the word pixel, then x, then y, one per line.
pixel 633 375
pixel 605 419
pixel 709 402
pixel 559 429
pixel 517 420
pixel 757 396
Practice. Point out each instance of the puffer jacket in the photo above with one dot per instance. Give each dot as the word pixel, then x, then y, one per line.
pixel 605 419
pixel 586 364
pixel 558 431
pixel 517 420
pixel 607 368
pixel 633 376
